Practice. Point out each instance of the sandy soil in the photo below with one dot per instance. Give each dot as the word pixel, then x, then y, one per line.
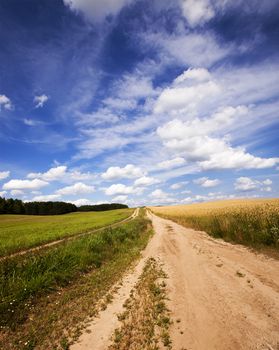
pixel 222 296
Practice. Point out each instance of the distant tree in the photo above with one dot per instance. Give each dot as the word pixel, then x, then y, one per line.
pixel 102 207
pixel 16 206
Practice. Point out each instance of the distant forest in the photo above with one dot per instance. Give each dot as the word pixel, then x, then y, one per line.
pixel 17 206
pixel 102 207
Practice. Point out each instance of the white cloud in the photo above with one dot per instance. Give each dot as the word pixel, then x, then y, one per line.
pixel 179 185
pixel 78 188
pixel 146 181
pixel 130 171
pixel 17 192
pixel 121 198
pixel 52 174
pixel 197 12
pixel 205 198
pixel 206 182
pixel 172 163
pixel 99 118
pixel 30 122
pixel 134 86
pixel 159 196
pixel 267 182
pixel 47 198
pixel 24 184
pixel 4 174
pixel 193 75
pixel 40 100
pixel 119 103
pixel 244 184
pixel 184 99
pixel 197 140
pixel 5 102
pixel 96 10
pixel 190 49
pixel 121 189
pixel 2 193
pixel 83 201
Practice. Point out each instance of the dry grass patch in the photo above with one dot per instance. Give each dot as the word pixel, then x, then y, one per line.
pixel 146 320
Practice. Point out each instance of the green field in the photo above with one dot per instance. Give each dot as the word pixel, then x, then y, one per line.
pixel 19 232
pixel 45 293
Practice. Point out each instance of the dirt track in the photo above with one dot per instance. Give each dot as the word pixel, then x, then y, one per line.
pixel 222 296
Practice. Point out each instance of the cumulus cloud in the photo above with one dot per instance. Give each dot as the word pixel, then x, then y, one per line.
pixel 5 102
pixel 179 185
pixel 172 163
pixel 47 198
pixel 159 196
pixel 83 201
pixel 181 99
pixel 97 10
pixel 2 193
pixel 40 100
pixel 4 174
pixel 17 184
pixel 53 174
pixel 121 198
pixel 206 182
pixel 197 140
pixel 146 181
pixel 197 12
pixel 245 184
pixel 121 189
pixel 78 188
pixel 130 171
pixel 17 192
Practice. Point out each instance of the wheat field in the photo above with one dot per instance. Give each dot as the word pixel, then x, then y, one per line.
pixel 246 221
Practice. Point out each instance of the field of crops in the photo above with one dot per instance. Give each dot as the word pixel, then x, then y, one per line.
pixel 250 222
pixel 19 232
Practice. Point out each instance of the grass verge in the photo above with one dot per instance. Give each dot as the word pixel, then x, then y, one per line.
pixel 145 322
pixel 47 297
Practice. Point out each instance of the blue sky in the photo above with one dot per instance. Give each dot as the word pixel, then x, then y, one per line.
pixel 141 102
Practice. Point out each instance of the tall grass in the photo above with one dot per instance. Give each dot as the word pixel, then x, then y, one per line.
pixel 23 279
pixel 245 222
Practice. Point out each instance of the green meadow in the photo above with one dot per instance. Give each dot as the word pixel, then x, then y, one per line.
pixel 20 232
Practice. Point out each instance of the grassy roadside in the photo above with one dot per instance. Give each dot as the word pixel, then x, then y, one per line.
pixel 47 297
pixel 20 232
pixel 145 322
pixel 254 223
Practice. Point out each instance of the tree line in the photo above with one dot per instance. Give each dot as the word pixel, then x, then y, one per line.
pixel 17 206
pixel 102 207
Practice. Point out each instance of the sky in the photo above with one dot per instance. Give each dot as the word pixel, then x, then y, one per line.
pixel 143 102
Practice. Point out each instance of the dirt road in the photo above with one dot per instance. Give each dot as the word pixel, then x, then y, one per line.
pixel 222 296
